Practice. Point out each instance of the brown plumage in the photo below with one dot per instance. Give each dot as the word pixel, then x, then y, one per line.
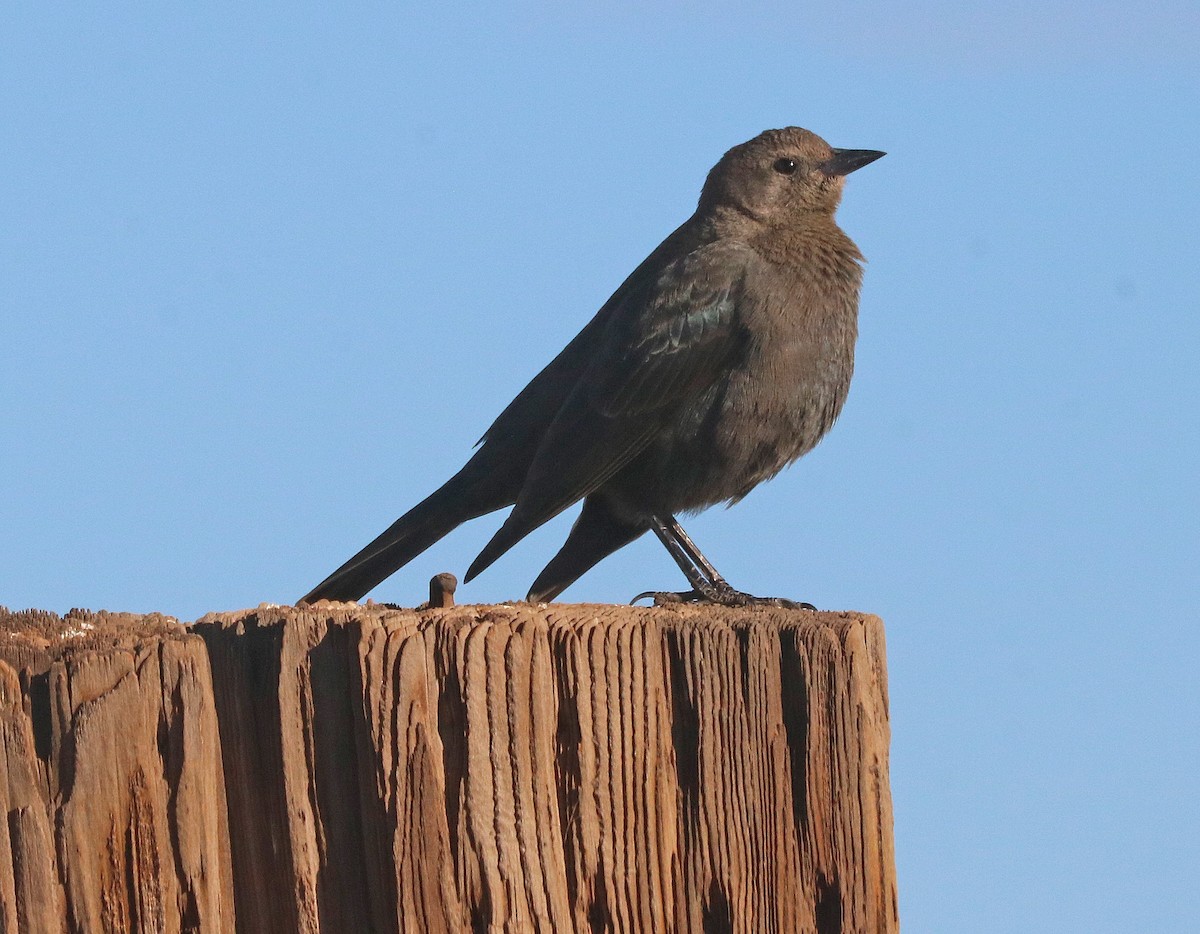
pixel 724 356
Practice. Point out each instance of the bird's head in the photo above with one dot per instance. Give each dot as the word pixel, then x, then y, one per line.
pixel 782 174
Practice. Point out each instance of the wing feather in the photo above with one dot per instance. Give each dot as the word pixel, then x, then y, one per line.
pixel 663 346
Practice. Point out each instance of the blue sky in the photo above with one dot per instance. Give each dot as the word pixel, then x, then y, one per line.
pixel 267 273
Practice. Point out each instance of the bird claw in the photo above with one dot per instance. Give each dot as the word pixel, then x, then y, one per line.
pixel 662 598
pixel 720 596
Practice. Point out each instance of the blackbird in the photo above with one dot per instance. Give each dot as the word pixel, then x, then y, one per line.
pixel 726 355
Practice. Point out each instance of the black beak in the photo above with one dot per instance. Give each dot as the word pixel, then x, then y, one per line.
pixel 845 161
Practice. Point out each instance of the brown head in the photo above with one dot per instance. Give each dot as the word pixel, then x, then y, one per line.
pixel 780 174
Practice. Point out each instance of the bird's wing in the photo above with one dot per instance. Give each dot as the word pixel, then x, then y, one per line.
pixel 519 429
pixel 664 345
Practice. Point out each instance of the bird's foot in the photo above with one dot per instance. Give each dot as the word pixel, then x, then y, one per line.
pixel 720 594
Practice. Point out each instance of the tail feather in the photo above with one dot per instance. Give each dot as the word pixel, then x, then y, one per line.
pixel 506 536
pixel 419 528
pixel 597 533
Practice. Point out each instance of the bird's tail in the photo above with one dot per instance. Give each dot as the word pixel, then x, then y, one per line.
pixel 597 533
pixel 427 522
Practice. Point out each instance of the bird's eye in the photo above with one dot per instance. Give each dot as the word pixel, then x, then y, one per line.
pixel 784 166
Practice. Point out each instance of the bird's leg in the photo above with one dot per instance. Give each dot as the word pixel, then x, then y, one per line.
pixel 704 588
pixel 674 532
pixel 708 586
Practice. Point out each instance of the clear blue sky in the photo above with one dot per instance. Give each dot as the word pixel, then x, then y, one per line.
pixel 267 272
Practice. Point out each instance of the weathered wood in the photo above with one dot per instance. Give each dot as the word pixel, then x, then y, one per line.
pixel 110 774
pixel 515 768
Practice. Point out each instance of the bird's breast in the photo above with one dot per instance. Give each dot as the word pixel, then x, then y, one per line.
pixel 771 404
pixel 787 389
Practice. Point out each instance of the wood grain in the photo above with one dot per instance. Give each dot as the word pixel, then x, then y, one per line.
pixel 471 768
pixel 110 774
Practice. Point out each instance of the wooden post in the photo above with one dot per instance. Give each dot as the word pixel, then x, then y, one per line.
pixel 467 768
pixel 110 773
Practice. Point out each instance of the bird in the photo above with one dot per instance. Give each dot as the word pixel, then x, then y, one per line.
pixel 725 356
